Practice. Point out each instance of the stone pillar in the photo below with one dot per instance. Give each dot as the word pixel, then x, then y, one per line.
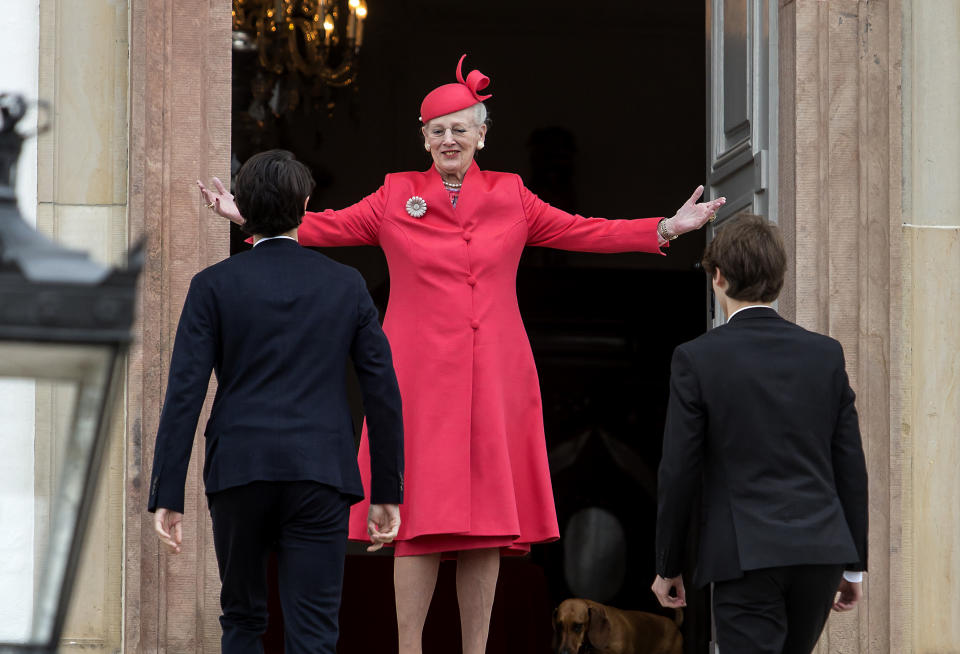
pixel 840 212
pixel 931 239
pixel 180 61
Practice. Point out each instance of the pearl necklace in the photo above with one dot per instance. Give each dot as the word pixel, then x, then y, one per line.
pixel 451 186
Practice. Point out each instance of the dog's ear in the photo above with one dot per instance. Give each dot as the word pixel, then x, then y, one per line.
pixel 600 631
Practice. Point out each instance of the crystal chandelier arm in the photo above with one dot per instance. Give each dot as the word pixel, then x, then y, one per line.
pixel 304 35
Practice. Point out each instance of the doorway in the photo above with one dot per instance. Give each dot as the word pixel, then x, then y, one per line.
pixel 601 110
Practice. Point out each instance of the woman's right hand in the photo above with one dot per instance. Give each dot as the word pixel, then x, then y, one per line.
pixel 221 201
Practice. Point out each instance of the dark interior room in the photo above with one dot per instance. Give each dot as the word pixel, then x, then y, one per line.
pixel 601 109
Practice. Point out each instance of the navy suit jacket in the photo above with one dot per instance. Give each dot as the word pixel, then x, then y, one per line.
pixel 277 324
pixel 761 421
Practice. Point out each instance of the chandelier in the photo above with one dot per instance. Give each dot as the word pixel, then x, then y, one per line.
pixel 302 46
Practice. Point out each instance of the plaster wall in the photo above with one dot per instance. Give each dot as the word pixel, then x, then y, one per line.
pixel 16 507
pixel 19 51
pixel 19 55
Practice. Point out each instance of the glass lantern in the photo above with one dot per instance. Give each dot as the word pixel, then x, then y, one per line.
pixel 64 328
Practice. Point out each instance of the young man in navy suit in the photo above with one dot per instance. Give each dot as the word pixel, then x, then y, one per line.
pixel 761 427
pixel 277 325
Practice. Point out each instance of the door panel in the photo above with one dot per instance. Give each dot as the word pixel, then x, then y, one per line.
pixel 741 110
pixel 735 90
pixel 741 103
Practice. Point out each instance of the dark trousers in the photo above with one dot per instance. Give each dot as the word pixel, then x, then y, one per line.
pixel 774 610
pixel 306 523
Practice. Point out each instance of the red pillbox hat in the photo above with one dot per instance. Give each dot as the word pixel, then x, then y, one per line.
pixel 449 98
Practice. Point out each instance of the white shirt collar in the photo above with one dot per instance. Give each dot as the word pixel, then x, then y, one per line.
pixel 270 238
pixel 752 306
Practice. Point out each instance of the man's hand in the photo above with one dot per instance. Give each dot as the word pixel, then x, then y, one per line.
pixel 169 527
pixel 661 588
pixel 850 594
pixel 383 523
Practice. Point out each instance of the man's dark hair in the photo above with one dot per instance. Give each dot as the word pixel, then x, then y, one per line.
pixel 749 252
pixel 270 190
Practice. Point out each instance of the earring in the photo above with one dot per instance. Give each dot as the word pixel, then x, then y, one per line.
pixel 480 145
pixel 426 146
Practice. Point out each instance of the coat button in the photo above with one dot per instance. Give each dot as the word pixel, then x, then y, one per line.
pixel 475 324
pixel 467 235
pixel 472 280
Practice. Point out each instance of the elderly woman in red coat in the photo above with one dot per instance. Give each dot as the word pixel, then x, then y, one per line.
pixel 477 479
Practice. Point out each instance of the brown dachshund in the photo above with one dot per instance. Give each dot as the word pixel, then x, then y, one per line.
pixel 581 626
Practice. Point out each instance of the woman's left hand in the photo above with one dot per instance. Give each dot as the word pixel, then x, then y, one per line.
pixel 692 215
pixel 383 524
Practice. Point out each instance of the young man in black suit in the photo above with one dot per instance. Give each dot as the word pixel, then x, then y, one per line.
pixel 761 424
pixel 277 324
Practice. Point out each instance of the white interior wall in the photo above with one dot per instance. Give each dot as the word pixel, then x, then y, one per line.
pixel 19 62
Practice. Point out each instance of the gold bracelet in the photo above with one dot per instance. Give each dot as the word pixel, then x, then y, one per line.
pixel 662 230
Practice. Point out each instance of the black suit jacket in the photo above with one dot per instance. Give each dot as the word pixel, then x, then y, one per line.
pixel 761 421
pixel 276 324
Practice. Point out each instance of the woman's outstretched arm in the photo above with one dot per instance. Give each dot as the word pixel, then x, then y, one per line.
pixel 551 227
pixel 358 224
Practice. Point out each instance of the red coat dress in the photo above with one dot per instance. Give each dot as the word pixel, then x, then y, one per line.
pixel 476 459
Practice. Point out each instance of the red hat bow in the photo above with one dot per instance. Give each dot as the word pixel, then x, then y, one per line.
pixel 449 98
pixel 476 81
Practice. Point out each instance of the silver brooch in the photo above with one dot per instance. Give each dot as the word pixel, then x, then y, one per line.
pixel 416 206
